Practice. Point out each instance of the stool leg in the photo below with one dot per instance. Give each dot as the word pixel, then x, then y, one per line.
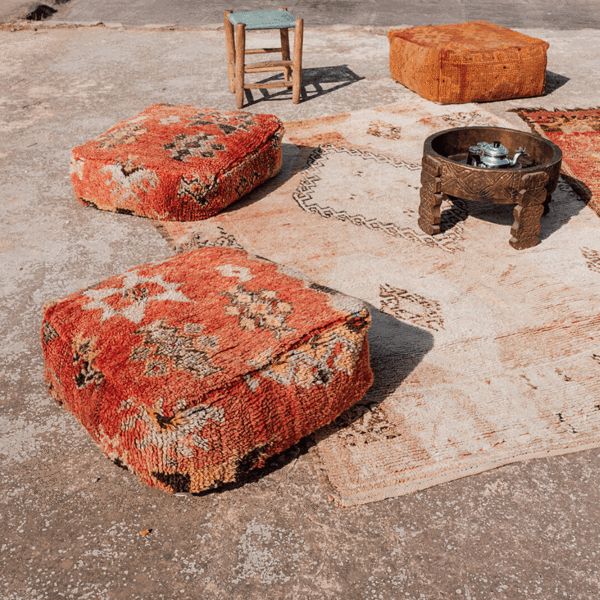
pixel 297 70
pixel 240 63
pixel 230 47
pixel 285 50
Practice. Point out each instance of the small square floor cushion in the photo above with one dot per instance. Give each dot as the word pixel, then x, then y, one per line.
pixel 468 62
pixel 192 371
pixel 177 163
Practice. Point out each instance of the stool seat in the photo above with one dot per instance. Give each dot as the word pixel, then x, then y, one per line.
pixel 263 19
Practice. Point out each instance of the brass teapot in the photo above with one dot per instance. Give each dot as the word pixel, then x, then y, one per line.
pixel 492 155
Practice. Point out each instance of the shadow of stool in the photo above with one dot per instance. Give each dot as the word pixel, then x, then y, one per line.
pixel 317 82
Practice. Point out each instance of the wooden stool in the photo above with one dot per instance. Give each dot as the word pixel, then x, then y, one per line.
pixel 236 24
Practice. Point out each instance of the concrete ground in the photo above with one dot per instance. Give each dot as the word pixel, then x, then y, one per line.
pixel 72 522
pixel 567 14
pixel 11 10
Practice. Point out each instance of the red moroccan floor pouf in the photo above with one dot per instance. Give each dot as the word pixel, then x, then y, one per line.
pixel 192 371
pixel 177 163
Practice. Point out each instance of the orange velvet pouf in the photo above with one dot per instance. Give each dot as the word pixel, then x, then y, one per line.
pixel 468 62
pixel 192 371
pixel 177 163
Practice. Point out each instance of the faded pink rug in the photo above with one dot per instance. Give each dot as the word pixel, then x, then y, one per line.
pixel 483 355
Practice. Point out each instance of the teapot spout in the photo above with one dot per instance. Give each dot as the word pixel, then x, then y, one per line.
pixel 520 152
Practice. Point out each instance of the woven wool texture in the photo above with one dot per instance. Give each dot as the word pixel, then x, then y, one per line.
pixel 468 62
pixel 177 162
pixel 193 371
pixel 577 132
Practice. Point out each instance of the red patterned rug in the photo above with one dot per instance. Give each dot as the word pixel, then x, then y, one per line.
pixel 577 133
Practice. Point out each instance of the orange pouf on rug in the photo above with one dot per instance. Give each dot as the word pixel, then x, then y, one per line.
pixel 468 62
pixel 177 163
pixel 192 371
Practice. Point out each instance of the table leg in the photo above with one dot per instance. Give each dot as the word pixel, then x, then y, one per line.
pixel 525 231
pixel 430 207
pixel 547 202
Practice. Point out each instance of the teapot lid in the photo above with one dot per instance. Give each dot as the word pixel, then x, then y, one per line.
pixel 494 149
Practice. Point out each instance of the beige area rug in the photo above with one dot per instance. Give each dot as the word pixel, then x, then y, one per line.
pixel 483 355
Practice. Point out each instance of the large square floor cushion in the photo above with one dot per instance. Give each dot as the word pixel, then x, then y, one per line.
pixel 192 371
pixel 177 163
pixel 468 62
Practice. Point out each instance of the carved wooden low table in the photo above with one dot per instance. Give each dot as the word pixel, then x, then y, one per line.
pixel 528 185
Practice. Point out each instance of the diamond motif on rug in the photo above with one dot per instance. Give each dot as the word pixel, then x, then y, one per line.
pixel 366 423
pixel 411 307
pixel 592 259
pixel 459 119
pixel 382 204
pixel 384 130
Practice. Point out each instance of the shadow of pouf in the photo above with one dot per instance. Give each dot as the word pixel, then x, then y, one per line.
pixel 554 81
pixel 396 348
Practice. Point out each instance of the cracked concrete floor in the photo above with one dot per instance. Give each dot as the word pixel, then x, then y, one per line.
pixel 568 14
pixel 71 520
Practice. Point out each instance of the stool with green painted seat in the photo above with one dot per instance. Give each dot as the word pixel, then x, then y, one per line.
pixel 236 24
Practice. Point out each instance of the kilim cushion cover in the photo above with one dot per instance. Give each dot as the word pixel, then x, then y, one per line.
pixel 177 163
pixel 468 62
pixel 192 371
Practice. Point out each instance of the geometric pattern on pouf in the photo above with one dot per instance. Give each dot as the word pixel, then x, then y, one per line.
pixel 177 163
pixel 195 370
pixel 468 62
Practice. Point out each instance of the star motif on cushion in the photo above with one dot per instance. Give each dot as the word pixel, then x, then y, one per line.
pixel 130 300
pixel 241 273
